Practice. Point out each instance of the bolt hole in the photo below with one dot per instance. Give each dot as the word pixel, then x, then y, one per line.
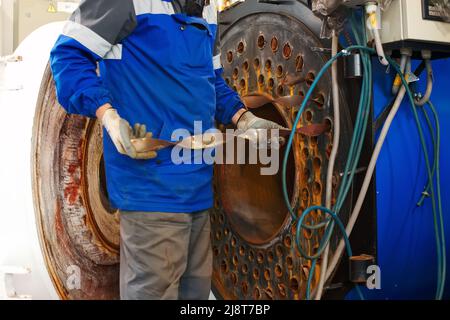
pixel 235 73
pixel 280 90
pixel 267 275
pixel 317 188
pixel 244 287
pixel 257 293
pixel 279 250
pixel 245 66
pixel 271 83
pixel 240 47
pixel 294 284
pixel 282 290
pixel 261 79
pixel 279 71
pixel 229 56
pixel 289 262
pixel 299 63
pixel 261 41
pixel 233 278
pixel 226 249
pixel 235 260
pixel 274 44
pixel 242 83
pixel 319 100
pixel 268 294
pixel 256 63
pixel 224 266
pixel 260 257
pixel 242 250
pixel 244 268
pixel 278 271
pixel 268 65
pixel 288 241
pixel 308 115
pixel 251 256
pixel 287 51
pixel 270 256
pixel 310 77
pixel 256 274
pixel 233 241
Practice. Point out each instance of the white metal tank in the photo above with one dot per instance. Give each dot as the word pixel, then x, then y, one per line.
pixel 23 272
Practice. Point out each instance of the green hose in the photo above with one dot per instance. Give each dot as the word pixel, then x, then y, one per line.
pixel 438 187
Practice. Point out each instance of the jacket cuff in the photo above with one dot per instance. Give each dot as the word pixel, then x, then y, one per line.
pixel 232 111
pixel 89 100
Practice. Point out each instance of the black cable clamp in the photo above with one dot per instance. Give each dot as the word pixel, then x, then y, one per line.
pixel 358 266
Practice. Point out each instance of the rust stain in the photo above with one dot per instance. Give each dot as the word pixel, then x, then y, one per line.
pixel 71 191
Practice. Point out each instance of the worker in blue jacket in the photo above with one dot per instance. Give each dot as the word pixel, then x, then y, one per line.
pixel 153 64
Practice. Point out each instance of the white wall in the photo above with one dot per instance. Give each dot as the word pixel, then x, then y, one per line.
pixel 7 26
pixel 18 18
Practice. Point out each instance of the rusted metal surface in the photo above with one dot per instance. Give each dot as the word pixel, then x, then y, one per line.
pixel 268 60
pixel 78 231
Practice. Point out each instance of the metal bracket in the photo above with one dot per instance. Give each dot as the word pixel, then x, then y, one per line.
pixel 7 290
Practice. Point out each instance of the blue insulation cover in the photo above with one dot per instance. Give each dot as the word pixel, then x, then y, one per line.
pixel 406 241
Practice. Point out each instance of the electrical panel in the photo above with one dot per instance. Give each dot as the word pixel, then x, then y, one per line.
pixel 417 24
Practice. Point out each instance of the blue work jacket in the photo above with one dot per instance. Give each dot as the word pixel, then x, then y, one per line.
pixel 158 67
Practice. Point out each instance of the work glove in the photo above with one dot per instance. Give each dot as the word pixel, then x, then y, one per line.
pixel 249 121
pixel 257 129
pixel 121 135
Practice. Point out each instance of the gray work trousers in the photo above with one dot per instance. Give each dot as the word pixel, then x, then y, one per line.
pixel 165 256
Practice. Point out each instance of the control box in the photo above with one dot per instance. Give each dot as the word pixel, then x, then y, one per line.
pixel 417 24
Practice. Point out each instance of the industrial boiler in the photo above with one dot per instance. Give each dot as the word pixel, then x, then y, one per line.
pixel 359 208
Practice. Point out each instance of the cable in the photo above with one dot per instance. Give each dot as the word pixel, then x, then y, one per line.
pixel 440 233
pixel 339 223
pixel 397 81
pixel 362 115
pixel 379 46
pixel 367 178
pixel 426 192
pixel 438 186
pixel 333 156
pixel 372 11
pixel 426 55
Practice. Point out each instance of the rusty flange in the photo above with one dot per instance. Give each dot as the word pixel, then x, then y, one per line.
pixel 78 230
